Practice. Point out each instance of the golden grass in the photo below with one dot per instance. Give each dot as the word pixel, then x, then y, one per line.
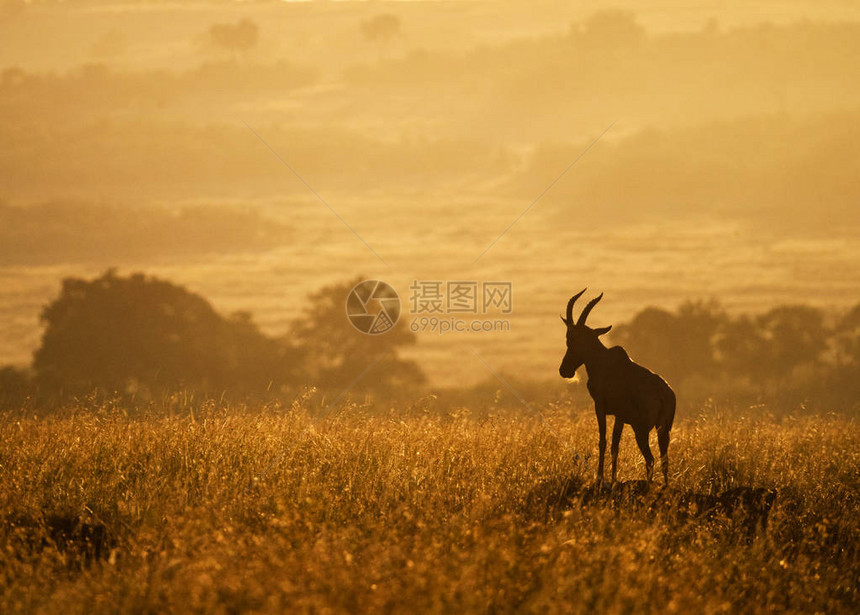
pixel 411 511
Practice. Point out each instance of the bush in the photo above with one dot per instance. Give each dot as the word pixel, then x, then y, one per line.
pixel 140 335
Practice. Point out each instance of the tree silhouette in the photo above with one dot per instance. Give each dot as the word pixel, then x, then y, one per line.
pixel 741 349
pixel 842 381
pixel 234 38
pixel 787 354
pixel 381 28
pixel 847 338
pixel 336 354
pixel 794 335
pixel 610 30
pixel 139 334
pixel 677 345
pixel 15 386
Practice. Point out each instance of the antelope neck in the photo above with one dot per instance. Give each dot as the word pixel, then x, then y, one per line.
pixel 594 362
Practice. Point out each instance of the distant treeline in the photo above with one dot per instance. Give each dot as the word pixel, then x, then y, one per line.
pixel 790 355
pixel 142 338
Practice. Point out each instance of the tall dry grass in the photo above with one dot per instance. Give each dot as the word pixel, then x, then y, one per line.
pixel 411 510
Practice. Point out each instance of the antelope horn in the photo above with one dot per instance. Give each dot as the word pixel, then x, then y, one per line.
pixel 587 309
pixel 569 319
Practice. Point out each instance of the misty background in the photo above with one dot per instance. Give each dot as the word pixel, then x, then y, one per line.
pixel 732 172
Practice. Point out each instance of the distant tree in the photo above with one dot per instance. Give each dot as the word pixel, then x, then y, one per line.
pixel 12 77
pixel 234 38
pixel 678 345
pixel 610 29
pixel 787 355
pixel 847 338
pixel 15 385
pixel 843 385
pixel 794 335
pixel 381 28
pixel 140 334
pixel 741 349
pixel 335 353
pixel 646 338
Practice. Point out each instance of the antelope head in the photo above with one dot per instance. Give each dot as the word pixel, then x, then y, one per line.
pixel 582 340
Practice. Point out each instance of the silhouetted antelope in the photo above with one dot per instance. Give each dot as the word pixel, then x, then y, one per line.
pixel 634 395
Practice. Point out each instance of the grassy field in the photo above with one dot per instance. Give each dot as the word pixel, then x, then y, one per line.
pixel 414 509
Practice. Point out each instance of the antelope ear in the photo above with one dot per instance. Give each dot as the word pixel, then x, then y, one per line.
pixel 602 330
pixel 563 320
